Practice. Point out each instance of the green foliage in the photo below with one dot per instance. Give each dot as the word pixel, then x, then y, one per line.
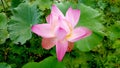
pixel 114 31
pixel 46 63
pixel 116 44
pixel 77 59
pixel 24 16
pixel 3 28
pixel 15 3
pixel 44 4
pixel 4 65
pixel 18 55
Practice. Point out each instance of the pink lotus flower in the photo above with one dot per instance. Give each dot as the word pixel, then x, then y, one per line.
pixel 60 30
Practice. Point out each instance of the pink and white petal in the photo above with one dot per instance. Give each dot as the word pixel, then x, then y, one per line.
pixel 61 33
pixel 61 48
pixel 48 43
pixel 79 33
pixel 51 18
pixel 56 11
pixel 43 30
pixel 73 15
pixel 64 24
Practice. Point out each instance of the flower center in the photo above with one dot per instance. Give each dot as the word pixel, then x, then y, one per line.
pixel 71 30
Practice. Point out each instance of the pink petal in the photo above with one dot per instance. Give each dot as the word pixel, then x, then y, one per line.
pixel 56 11
pixel 51 18
pixel 64 24
pixel 61 48
pixel 53 21
pixel 61 33
pixel 73 16
pixel 48 43
pixel 79 33
pixel 43 30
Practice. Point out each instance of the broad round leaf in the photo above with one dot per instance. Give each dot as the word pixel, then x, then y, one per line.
pixel 24 16
pixel 89 42
pixel 31 65
pixel 50 62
